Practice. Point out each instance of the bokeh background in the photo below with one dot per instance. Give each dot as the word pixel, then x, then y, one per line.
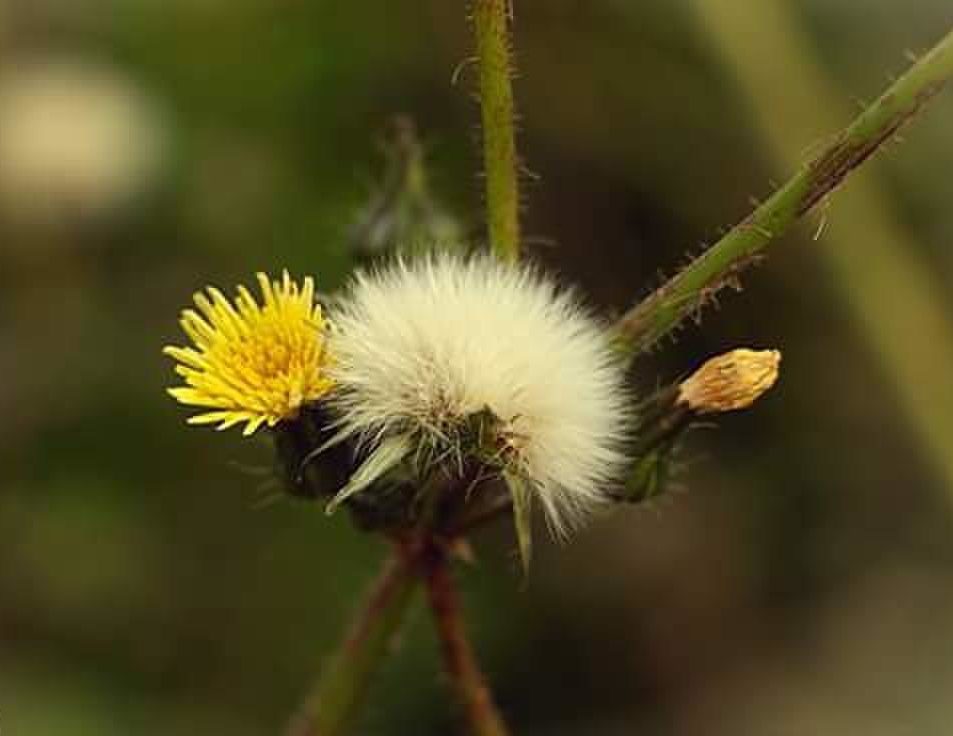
pixel 801 581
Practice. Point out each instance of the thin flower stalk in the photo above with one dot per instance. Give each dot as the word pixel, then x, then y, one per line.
pixel 460 664
pixel 338 697
pixel 694 287
pixel 491 21
pixel 866 225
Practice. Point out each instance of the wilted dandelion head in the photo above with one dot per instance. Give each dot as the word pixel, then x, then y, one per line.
pixel 423 347
pixel 251 362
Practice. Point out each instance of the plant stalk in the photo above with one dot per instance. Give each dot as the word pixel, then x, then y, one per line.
pixel 338 697
pixel 491 19
pixel 867 226
pixel 694 287
pixel 460 663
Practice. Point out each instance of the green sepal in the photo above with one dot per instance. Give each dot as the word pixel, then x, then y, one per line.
pixel 304 472
pixel 662 423
pixel 385 457
pixel 522 515
pixel 649 477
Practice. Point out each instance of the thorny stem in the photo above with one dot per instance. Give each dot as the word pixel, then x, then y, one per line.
pixel 690 290
pixel 869 228
pixel 491 19
pixel 337 699
pixel 459 660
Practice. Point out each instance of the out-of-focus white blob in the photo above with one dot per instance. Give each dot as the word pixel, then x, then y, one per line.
pixel 76 142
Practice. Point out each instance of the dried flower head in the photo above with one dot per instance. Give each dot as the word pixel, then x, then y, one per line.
pixel 423 347
pixel 734 380
pixel 253 363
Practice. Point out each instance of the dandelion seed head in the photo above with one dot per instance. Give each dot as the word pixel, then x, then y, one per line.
pixel 421 346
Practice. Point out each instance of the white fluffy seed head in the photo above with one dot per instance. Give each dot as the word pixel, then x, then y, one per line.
pixel 421 346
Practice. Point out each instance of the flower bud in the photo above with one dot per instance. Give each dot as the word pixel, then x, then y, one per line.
pixel 734 380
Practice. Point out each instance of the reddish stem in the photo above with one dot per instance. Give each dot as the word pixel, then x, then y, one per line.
pixel 460 663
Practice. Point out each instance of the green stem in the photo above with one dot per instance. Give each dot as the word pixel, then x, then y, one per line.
pixel 331 709
pixel 868 227
pixel 460 663
pixel 693 288
pixel 491 26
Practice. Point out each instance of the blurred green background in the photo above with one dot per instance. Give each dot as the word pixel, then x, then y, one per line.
pixel 802 584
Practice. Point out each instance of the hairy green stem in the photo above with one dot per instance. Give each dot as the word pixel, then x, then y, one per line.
pixel 867 226
pixel 460 663
pixel 491 20
pixel 337 700
pixel 695 286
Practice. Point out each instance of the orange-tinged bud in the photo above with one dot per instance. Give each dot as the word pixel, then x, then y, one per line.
pixel 734 380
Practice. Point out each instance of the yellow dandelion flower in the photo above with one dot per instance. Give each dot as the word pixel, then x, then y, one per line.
pixel 253 363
